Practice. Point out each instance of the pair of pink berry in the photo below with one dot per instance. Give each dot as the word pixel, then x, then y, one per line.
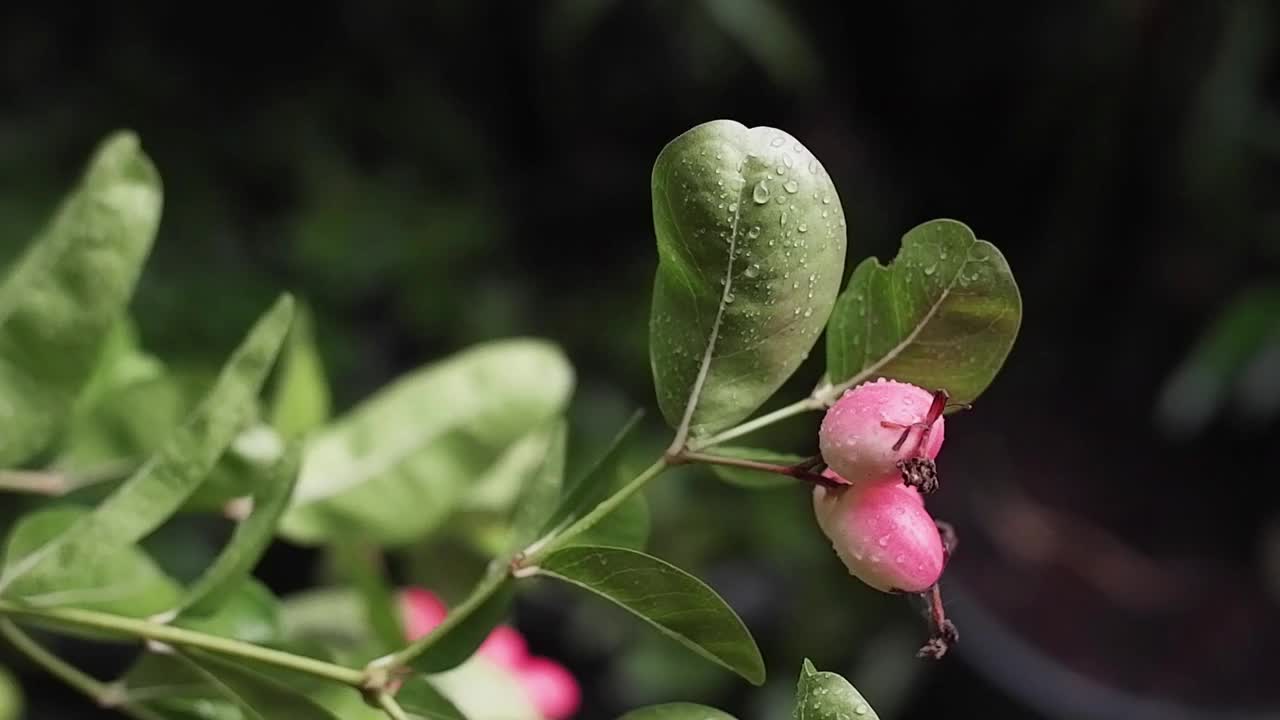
pixel 551 688
pixel 879 442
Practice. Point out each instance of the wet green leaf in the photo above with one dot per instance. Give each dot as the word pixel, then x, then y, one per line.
pixel 827 696
pixel 751 251
pixel 943 314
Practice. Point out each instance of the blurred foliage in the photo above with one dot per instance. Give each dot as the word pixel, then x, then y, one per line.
pixel 421 194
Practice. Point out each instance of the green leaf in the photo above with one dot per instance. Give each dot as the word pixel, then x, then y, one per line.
pixel 541 493
pixel 827 696
pixel 362 567
pixel 249 541
pixel 249 612
pixel 421 441
pixel 677 711
pixel 416 696
pixel 174 689
pixel 627 526
pixel 122 579
pixel 258 696
pixel 10 696
pixel 63 297
pixel 497 489
pixel 754 479
pixel 121 362
pixel 596 484
pixel 751 250
pixel 301 401
pixel 675 602
pixel 943 314
pixel 157 490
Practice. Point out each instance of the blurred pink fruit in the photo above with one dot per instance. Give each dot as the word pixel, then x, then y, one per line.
pixel 552 688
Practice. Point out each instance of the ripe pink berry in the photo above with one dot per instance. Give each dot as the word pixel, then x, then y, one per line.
pixel 883 534
pixel 552 688
pixel 860 431
pixel 505 646
pixel 421 611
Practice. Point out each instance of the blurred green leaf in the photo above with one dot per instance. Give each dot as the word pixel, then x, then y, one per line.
pixel 827 696
pixel 248 612
pixel 258 696
pixel 497 489
pixel 540 495
pixel 420 698
pixel 943 314
pixel 422 441
pixel 301 402
pixel 158 489
pixel 677 711
pixel 63 297
pixel 627 526
pixel 10 696
pixel 362 567
pixel 482 689
pixel 416 696
pixel 596 484
pixel 332 618
pixel 675 602
pixel 124 425
pixel 121 362
pixel 751 251
pixel 122 579
pixel 249 541
pixel 767 33
pixel 754 479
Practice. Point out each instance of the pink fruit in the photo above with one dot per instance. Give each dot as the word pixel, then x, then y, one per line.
pixel 883 534
pixel 421 611
pixel 860 431
pixel 505 646
pixel 553 690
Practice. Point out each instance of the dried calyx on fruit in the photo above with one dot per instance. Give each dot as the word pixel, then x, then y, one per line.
pixel 885 431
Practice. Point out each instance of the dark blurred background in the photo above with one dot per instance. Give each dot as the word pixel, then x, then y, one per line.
pixel 426 175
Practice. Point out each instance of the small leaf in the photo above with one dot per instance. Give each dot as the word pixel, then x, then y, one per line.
pixel 249 541
pixel 943 314
pixel 677 711
pixel 754 479
pixel 258 696
pixel 249 612
pixel 301 401
pixel 421 441
pixel 122 579
pixel 157 490
pixel 751 250
pixel 827 696
pixel 595 485
pixel 63 297
pixel 665 596
pixel 539 496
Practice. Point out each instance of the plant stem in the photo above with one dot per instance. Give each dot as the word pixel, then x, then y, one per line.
pixel 388 664
pixel 391 707
pixel 181 637
pixel 608 505
pixel 808 404
pixel 798 472
pixel 103 694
